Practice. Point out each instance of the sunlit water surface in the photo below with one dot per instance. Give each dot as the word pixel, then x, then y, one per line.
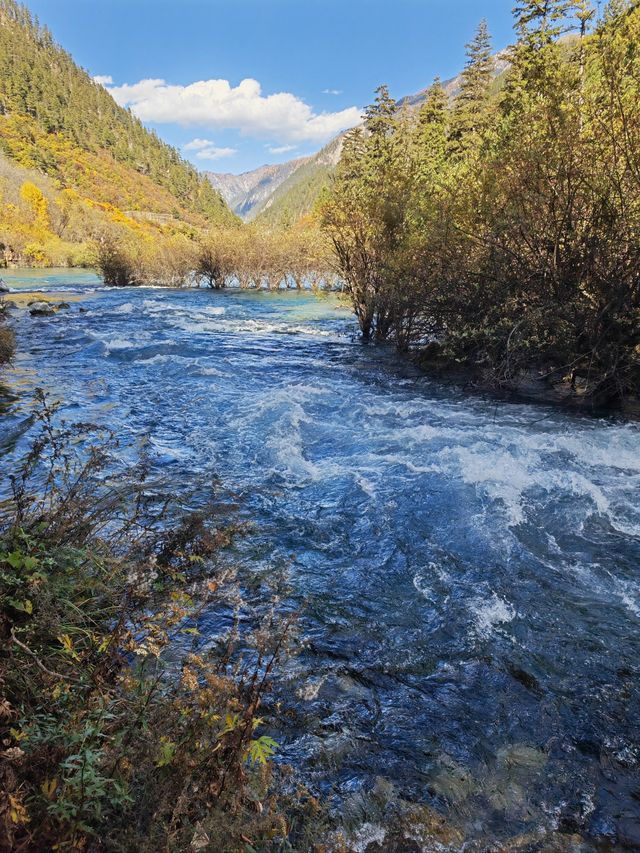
pixel 470 568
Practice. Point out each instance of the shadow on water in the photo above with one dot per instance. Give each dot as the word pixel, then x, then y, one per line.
pixel 468 567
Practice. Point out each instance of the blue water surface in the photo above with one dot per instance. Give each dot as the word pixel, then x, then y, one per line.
pixel 469 568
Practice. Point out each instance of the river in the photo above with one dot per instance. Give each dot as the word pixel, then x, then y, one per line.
pixel 469 567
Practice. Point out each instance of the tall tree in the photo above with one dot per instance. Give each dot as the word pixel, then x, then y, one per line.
pixel 470 115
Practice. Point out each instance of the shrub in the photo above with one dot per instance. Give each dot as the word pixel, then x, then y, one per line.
pixel 7 341
pixel 120 729
pixel 115 264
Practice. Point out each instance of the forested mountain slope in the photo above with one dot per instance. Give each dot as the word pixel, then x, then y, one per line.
pixel 296 196
pixel 55 120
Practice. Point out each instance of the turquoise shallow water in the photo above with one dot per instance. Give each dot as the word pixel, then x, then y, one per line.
pixel 470 568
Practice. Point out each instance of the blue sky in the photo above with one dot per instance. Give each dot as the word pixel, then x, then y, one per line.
pixel 308 66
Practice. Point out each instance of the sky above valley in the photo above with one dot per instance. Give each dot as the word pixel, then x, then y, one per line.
pixel 238 84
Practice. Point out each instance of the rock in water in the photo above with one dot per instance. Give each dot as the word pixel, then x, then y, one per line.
pixel 41 309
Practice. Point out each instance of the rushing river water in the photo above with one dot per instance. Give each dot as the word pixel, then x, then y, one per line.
pixel 470 568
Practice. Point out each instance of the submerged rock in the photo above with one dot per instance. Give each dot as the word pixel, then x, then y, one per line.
pixel 382 821
pixel 430 830
pixel 42 308
pixel 520 758
pixel 453 781
pixel 544 842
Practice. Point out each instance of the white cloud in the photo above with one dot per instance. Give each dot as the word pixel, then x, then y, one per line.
pixel 332 91
pixel 198 144
pixel 218 105
pixel 216 153
pixel 205 149
pixel 281 149
pixel 103 79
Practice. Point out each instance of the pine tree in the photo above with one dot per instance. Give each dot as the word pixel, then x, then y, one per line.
pixel 431 134
pixel 470 114
pixel 380 115
pixel 539 22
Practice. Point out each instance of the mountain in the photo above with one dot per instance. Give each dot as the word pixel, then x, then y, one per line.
pixel 294 192
pixel 296 196
pixel 56 121
pixel 248 192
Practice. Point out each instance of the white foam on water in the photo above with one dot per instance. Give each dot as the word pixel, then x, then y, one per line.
pixel 169 450
pixel 491 612
pixel 368 833
pixel 626 591
pixel 509 473
pixel 424 588
pixel 425 580
pixel 154 359
pixel 497 473
pixel 405 462
pixel 366 485
pixel 198 327
pixel 630 600
pixel 165 358
pixel 286 398
pixel 287 446
pixel 195 324
pixel 423 434
pixel 613 447
pixel 310 330
pixel 125 308
pixel 210 371
pixel 117 344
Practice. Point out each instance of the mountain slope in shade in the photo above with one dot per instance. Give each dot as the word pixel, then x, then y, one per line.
pixel 247 193
pixel 296 196
pixel 296 185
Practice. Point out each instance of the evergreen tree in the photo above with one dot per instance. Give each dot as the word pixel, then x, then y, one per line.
pixel 540 22
pixel 470 113
pixel 431 134
pixel 380 115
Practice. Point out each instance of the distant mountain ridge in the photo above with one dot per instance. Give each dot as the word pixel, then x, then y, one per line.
pixel 282 194
pixel 247 193
pixel 296 196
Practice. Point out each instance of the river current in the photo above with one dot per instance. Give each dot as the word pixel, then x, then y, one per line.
pixel 470 568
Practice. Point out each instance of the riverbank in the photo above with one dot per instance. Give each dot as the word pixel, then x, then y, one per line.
pixel 533 386
pixel 119 730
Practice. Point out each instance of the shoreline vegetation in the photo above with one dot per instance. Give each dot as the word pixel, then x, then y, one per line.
pixel 504 227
